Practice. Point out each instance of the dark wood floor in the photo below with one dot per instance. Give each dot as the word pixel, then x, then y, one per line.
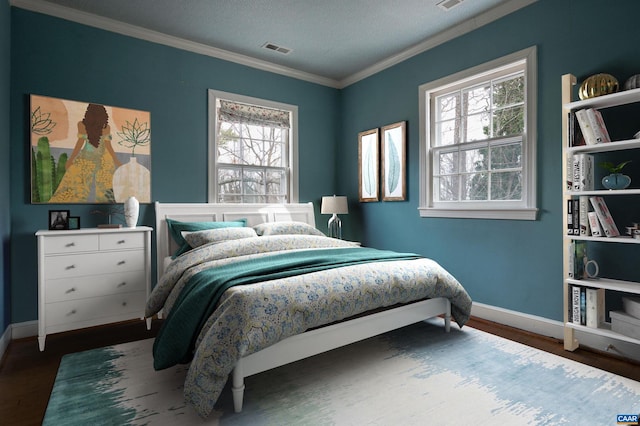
pixel 27 375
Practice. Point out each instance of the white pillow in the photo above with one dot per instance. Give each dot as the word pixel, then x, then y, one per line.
pixel 199 238
pixel 286 228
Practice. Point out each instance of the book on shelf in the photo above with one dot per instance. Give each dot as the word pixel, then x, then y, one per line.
pixel 109 225
pixel 594 224
pixel 583 172
pixel 577 259
pixel 570 227
pixel 597 124
pixel 569 167
pixel 578 305
pixel 595 307
pixel 575 137
pixel 585 127
pixel 583 216
pixel 578 216
pixel 592 126
pixel 625 324
pixel 604 216
pixel 575 304
pixel 587 306
pixel 631 305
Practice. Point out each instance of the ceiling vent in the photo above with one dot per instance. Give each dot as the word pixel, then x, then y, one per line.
pixel 447 5
pixel 276 48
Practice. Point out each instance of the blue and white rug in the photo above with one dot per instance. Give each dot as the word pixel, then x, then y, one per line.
pixel 418 375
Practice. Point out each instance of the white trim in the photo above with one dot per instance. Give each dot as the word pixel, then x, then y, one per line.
pixel 107 24
pixel 551 328
pixel 528 208
pixel 293 177
pixel 24 329
pixel 520 320
pixel 4 341
pixel 465 27
pixel 512 214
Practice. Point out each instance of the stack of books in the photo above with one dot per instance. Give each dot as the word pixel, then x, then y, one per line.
pixel 627 321
pixel 590 216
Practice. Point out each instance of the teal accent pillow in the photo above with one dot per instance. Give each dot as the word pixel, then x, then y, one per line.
pixel 176 228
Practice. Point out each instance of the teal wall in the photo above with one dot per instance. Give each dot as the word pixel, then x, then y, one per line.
pixel 58 58
pixel 5 210
pixel 510 264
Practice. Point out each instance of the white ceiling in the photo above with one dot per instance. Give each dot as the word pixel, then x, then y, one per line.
pixel 332 42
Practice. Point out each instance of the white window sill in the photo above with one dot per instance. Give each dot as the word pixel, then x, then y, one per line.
pixel 513 214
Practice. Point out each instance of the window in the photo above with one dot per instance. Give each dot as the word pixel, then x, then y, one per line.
pixel 252 150
pixel 477 141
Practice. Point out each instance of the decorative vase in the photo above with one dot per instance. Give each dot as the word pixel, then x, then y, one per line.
pixel 616 181
pixel 132 179
pixel 131 210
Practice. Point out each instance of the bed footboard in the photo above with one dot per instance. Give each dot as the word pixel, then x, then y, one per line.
pixel 334 336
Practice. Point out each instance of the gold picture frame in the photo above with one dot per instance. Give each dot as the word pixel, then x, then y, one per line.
pixel 393 153
pixel 368 174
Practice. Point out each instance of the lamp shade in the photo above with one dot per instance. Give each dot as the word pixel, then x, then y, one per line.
pixel 334 205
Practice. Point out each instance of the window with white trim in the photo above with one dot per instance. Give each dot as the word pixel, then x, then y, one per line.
pixel 477 141
pixel 252 150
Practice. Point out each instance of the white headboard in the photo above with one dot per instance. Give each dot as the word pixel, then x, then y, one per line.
pixel 221 212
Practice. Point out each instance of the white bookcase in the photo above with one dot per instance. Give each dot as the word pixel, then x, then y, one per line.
pixel 628 287
pixel 91 276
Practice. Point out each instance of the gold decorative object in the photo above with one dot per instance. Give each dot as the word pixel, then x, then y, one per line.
pixel 598 85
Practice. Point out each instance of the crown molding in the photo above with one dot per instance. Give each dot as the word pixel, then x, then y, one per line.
pixel 107 24
pixel 440 38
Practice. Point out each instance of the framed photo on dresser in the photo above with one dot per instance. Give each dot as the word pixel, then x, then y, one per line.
pixel 58 220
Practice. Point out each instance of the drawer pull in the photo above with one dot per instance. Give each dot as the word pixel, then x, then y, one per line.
pixel 70 267
pixel 122 262
pixel 122 241
pixel 70 245
pixel 71 290
pixel 122 284
pixel 124 303
pixel 73 312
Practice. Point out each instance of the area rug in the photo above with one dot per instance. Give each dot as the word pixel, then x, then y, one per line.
pixel 418 375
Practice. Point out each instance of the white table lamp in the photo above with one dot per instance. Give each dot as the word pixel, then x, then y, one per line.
pixel 334 205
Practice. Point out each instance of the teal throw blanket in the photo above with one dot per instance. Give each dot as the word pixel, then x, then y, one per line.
pixel 176 339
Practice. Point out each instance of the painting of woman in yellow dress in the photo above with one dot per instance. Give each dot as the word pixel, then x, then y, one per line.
pixel 90 167
pixel 78 161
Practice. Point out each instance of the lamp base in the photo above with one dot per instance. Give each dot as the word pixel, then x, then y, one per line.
pixel 335 227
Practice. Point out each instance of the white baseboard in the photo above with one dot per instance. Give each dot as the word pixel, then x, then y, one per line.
pixel 527 322
pixel 531 323
pixel 17 331
pixel 4 341
pixel 555 329
pixel 24 329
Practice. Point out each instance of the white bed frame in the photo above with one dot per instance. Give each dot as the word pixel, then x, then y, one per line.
pixel 311 342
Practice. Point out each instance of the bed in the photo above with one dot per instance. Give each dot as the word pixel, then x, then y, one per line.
pixel 346 293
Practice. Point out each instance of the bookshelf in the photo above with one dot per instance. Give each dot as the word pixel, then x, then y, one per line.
pixel 569 106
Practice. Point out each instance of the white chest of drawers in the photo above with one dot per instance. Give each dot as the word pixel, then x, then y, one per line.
pixel 91 276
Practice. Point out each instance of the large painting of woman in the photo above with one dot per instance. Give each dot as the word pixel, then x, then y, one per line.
pixel 88 153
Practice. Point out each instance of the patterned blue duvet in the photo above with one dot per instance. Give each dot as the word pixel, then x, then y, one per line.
pixel 252 317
